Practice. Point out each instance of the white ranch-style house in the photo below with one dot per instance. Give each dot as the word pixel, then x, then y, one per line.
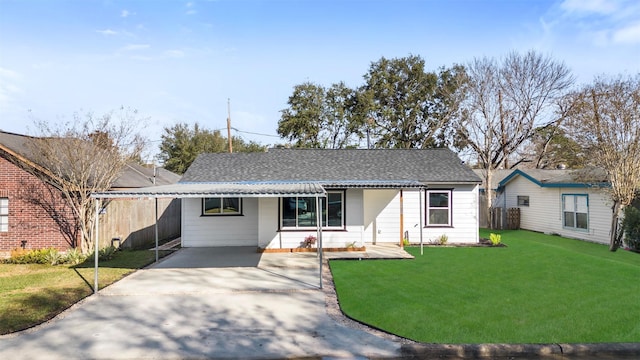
pixel 275 199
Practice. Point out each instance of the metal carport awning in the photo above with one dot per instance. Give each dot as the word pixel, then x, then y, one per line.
pixel 199 190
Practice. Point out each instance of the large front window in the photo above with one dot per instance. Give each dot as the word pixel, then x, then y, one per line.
pixel 4 214
pixel 438 207
pixel 222 206
pixel 301 213
pixel 575 210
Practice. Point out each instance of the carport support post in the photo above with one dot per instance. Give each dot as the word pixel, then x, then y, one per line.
pixel 96 244
pixel 156 229
pixel 421 229
pixel 319 230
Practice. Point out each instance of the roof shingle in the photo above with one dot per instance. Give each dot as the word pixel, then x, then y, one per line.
pixel 335 167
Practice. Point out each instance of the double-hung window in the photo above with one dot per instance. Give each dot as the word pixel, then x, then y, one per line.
pixel 438 207
pixel 4 214
pixel 301 212
pixel 575 211
pixel 219 206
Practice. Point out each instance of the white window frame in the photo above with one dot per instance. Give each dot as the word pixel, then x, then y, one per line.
pixel 429 207
pixel 573 200
pixel 325 218
pixel 4 214
pixel 223 213
pixel 523 200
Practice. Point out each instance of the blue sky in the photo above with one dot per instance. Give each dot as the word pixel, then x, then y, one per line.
pixel 179 61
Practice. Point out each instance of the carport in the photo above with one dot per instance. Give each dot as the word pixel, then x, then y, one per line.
pixel 202 190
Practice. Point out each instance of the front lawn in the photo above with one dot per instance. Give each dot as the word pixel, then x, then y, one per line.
pixel 31 294
pixel 538 289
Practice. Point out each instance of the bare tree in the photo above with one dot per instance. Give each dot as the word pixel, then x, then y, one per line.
pixel 606 122
pixel 80 157
pixel 506 102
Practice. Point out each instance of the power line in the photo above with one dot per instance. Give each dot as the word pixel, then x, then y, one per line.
pixel 254 133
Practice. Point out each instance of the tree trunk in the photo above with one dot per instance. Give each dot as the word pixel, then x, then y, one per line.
pixel 614 241
pixel 489 194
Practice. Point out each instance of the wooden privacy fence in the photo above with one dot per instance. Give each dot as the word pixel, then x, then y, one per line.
pixel 132 221
pixel 502 221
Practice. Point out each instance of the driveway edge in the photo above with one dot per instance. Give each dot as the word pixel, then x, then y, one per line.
pixel 475 351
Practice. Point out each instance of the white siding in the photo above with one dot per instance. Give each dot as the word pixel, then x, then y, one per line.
pixel 544 213
pixel 203 231
pixel 371 216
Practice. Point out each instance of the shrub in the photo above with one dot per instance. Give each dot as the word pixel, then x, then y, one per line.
pixel 54 257
pixel 443 239
pixel 107 253
pixel 74 257
pixel 631 226
pixel 495 239
pixel 34 256
pixel 308 241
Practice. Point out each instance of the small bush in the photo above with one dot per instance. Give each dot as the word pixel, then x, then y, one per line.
pixel 309 241
pixel 443 239
pixel 34 256
pixel 631 226
pixel 107 253
pixel 54 257
pixel 495 239
pixel 74 257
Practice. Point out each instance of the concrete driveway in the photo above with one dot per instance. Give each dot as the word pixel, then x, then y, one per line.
pixel 204 304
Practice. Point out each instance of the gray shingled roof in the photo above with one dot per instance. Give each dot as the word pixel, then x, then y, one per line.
pixel 132 176
pixel 348 167
pixel 16 143
pixel 136 176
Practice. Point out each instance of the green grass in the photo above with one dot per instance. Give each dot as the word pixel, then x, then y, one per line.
pixel 31 294
pixel 538 289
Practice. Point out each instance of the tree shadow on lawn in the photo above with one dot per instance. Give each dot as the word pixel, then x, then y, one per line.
pixel 33 309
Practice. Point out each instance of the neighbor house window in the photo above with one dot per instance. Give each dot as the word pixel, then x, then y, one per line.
pixel 575 210
pixel 222 206
pixel 523 200
pixel 4 214
pixel 438 207
pixel 300 212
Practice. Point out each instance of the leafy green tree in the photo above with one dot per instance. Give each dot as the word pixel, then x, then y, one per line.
pixel 182 143
pixel 412 108
pixel 319 117
pixel 551 147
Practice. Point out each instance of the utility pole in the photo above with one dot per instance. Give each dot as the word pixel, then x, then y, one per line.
pixel 229 124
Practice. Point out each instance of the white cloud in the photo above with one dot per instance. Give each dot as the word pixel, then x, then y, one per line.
pixel 125 13
pixel 190 8
pixel 627 35
pixel 174 53
pixel 107 32
pixel 135 47
pixel 590 6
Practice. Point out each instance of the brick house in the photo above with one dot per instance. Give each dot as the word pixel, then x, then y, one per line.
pixel 33 213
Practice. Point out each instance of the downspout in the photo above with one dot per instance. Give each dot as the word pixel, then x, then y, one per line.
pixel 401 220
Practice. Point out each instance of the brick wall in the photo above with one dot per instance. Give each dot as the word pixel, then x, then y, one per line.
pixel 28 219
